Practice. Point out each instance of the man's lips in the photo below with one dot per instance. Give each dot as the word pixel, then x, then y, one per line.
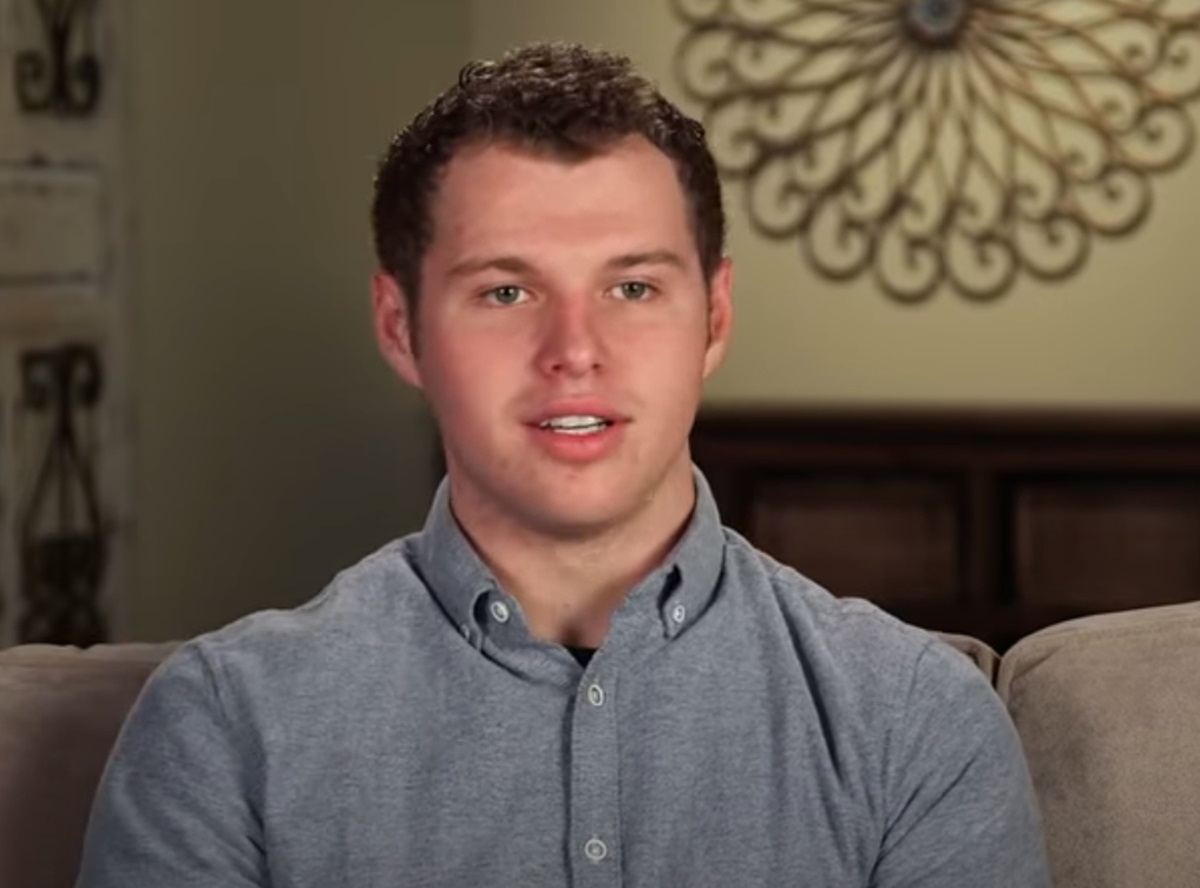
pixel 579 446
pixel 576 407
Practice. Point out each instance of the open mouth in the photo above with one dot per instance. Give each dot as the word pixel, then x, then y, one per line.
pixel 579 438
pixel 575 425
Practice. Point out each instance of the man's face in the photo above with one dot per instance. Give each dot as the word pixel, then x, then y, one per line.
pixel 555 294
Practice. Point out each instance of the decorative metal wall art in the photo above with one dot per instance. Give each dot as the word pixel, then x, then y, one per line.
pixel 931 142
pixel 63 543
pixel 64 76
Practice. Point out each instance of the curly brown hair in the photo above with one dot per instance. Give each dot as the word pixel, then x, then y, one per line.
pixel 560 98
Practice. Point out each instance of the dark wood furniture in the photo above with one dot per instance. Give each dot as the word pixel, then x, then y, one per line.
pixel 993 524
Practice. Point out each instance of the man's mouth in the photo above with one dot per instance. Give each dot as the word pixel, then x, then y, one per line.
pixel 582 424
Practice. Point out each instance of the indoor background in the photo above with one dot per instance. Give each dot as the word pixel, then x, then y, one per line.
pixel 272 447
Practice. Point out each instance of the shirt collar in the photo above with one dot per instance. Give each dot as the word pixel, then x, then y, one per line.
pixel 679 590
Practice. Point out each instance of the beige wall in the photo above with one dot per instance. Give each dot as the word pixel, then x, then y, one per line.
pixel 273 447
pixel 1123 332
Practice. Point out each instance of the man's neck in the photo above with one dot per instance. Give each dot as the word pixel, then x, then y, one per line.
pixel 570 589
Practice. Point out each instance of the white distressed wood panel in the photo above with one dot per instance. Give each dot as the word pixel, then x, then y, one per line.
pixel 64 245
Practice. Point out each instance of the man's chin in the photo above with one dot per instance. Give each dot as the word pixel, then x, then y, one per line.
pixel 578 518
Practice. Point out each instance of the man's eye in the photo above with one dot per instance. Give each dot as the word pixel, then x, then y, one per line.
pixel 634 290
pixel 508 295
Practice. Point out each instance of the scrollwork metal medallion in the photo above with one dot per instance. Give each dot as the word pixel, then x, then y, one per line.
pixel 64 77
pixel 931 142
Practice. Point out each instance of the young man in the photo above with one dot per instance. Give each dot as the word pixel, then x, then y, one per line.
pixel 573 675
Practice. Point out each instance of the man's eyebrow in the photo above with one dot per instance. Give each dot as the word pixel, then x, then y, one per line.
pixel 519 266
pixel 509 264
pixel 650 257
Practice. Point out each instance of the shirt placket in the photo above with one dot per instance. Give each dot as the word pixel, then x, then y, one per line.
pixel 595 852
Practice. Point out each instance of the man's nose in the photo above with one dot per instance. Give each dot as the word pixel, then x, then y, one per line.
pixel 570 342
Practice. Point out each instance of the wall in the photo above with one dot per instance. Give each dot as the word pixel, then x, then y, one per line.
pixel 273 446
pixel 1122 333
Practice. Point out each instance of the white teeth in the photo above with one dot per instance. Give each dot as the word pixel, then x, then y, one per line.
pixel 575 425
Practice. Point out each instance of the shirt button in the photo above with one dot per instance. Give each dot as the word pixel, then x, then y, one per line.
pixel 500 611
pixel 595 850
pixel 595 695
pixel 679 613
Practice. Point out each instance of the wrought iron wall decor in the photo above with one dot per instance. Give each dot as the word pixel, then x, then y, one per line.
pixel 63 542
pixel 63 77
pixel 931 142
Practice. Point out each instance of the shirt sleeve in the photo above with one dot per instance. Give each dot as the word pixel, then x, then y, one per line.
pixel 961 807
pixel 174 807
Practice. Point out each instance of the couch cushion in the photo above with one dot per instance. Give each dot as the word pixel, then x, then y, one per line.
pixel 60 710
pixel 1108 709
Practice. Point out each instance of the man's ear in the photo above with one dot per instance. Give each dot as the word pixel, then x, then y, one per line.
pixel 394 327
pixel 720 316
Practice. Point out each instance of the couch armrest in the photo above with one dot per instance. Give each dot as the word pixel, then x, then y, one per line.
pixel 60 710
pixel 1108 709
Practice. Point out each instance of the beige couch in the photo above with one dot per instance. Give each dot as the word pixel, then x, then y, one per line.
pixel 1108 708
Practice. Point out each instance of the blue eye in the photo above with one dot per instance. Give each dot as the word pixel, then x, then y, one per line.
pixel 506 295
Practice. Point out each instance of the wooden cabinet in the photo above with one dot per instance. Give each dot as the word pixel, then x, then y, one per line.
pixel 989 523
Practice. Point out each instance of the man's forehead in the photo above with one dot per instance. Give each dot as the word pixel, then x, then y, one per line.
pixel 501 161
pixel 504 189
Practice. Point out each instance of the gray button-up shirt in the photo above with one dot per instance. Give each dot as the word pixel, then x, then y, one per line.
pixel 739 727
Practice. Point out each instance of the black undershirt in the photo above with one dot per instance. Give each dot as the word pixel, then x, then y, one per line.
pixel 583 655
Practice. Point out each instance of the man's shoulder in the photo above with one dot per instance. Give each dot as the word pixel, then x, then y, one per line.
pixel 370 605
pixel 847 638
pixel 823 618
